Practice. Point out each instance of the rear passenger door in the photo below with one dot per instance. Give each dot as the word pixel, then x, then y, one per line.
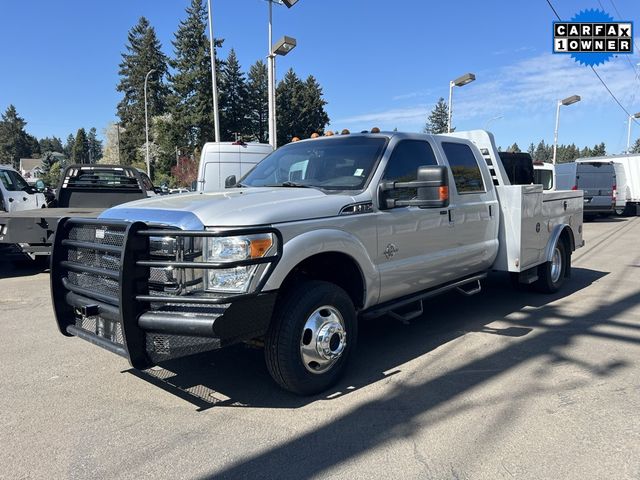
pixel 473 210
pixel 413 242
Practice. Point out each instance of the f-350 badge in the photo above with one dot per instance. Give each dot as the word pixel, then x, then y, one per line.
pixel 390 251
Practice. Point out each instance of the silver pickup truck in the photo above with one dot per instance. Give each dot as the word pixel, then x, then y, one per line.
pixel 321 234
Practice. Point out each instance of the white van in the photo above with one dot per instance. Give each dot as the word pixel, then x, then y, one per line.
pixel 16 194
pixel 221 160
pixel 596 178
pixel 628 182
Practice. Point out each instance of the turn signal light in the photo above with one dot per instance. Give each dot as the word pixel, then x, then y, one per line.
pixel 259 246
pixel 443 193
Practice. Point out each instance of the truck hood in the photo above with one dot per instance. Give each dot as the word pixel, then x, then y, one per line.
pixel 233 207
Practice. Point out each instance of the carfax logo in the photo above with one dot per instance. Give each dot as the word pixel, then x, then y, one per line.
pixel 592 37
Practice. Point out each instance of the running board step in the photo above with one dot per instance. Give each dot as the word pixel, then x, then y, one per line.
pixel 395 305
pixel 476 287
pixel 405 318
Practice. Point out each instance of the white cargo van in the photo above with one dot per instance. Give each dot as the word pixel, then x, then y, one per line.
pixel 221 160
pixel 628 182
pixel 16 194
pixel 596 179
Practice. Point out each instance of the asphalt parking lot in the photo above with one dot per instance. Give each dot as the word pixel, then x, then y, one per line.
pixel 504 384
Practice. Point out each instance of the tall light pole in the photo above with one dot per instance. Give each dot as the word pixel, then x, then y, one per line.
pixel 146 119
pixel 214 85
pixel 631 117
pixel 567 101
pixel 458 82
pixel 271 70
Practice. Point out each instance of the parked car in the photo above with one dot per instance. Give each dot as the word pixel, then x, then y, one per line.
pixel 598 181
pixel 222 160
pixel 16 194
pixel 319 235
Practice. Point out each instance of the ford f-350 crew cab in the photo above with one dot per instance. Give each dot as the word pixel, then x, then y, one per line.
pixel 321 234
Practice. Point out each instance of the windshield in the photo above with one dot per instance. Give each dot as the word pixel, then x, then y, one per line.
pixel 12 181
pixel 331 164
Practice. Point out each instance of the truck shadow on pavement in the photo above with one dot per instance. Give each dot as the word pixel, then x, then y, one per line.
pixel 17 265
pixel 237 377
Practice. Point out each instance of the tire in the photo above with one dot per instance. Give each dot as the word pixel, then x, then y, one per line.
pixel 308 310
pixel 620 212
pixel 589 217
pixel 551 274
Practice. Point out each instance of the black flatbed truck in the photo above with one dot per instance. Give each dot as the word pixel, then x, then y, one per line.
pixel 85 191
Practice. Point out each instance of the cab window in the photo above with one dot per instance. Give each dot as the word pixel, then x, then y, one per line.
pixel 464 167
pixel 406 158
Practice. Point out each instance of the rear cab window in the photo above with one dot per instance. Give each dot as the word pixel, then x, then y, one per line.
pixel 464 168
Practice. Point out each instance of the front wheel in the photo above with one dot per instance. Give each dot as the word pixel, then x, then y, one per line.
pixel 311 337
pixel 551 274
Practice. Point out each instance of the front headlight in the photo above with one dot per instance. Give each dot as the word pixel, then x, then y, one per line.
pixel 234 249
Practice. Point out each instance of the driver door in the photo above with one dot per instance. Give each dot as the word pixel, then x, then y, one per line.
pixel 413 242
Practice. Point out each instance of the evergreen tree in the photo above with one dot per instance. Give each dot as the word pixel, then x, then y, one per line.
pixel 34 146
pixel 80 152
pixel 438 118
pixel 586 152
pixel 14 140
pixel 543 153
pixel 258 101
pixel 233 100
pixel 48 161
pixel 68 146
pixel 289 105
pixel 51 144
pixel 599 150
pixel 191 104
pixel 95 146
pixel 531 150
pixel 314 118
pixel 636 147
pixel 143 55
pixel 514 148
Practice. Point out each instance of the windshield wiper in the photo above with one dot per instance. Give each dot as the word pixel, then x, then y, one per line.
pixel 293 185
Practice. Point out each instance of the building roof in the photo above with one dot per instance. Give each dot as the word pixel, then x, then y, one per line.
pixel 30 163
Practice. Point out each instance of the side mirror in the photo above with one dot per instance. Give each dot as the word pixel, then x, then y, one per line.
pixel 432 189
pixel 40 186
pixel 230 181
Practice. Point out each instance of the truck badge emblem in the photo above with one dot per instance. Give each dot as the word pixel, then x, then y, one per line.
pixel 390 251
pixel 99 233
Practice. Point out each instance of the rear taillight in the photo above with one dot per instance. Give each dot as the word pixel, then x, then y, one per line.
pixel 614 194
pixel 575 187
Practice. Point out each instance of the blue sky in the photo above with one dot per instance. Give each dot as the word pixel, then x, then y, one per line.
pixel 379 64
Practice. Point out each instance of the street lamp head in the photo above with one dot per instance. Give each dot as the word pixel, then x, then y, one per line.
pixel 464 79
pixel 289 3
pixel 636 115
pixel 284 45
pixel 570 100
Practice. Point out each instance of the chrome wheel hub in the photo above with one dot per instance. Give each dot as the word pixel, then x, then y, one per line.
pixel 323 339
pixel 556 265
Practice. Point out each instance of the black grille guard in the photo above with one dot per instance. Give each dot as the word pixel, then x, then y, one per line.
pixel 73 303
